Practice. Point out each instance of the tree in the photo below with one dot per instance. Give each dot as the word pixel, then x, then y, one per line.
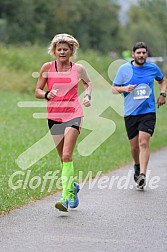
pixel 94 23
pixel 148 22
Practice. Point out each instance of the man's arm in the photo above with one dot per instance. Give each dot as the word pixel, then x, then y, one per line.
pixel 162 85
pixel 162 98
pixel 121 89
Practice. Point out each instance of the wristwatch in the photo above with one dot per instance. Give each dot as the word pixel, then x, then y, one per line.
pixel 46 95
pixel 163 94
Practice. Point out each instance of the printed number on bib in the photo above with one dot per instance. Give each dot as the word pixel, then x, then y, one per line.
pixel 141 92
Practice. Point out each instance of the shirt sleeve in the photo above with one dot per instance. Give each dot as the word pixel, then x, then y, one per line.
pixel 124 75
pixel 118 80
pixel 159 75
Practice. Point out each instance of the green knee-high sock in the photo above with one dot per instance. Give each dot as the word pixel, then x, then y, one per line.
pixel 67 178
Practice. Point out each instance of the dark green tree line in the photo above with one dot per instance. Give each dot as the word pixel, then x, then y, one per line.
pixel 148 22
pixel 95 22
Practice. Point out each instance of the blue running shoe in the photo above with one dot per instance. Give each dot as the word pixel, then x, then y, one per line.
pixel 73 200
pixel 62 205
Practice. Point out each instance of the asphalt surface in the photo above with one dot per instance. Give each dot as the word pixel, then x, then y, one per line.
pixel 112 216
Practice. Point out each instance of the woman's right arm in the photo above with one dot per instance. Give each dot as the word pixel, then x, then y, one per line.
pixel 42 80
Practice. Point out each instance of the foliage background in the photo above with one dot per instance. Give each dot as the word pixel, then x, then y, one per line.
pixel 95 23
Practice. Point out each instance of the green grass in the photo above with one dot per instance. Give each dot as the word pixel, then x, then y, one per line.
pixel 19 130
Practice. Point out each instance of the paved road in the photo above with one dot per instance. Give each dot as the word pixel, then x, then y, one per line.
pixel 115 218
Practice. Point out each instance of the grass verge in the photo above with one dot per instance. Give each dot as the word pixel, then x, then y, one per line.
pixel 19 131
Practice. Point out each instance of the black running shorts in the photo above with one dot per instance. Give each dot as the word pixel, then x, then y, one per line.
pixel 58 128
pixel 136 123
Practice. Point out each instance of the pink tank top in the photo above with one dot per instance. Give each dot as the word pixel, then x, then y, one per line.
pixel 66 105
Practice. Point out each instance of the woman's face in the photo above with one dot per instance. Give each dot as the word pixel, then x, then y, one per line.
pixel 63 52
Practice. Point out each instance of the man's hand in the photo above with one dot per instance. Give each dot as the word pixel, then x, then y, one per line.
pixel 129 88
pixel 161 101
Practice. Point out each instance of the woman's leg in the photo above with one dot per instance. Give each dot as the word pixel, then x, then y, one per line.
pixel 59 142
pixel 70 138
pixel 65 148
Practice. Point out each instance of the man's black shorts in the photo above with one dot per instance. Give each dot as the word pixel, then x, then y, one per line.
pixel 136 123
pixel 58 128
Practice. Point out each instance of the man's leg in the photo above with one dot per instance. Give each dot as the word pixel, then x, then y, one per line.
pixel 131 125
pixel 134 145
pixel 144 155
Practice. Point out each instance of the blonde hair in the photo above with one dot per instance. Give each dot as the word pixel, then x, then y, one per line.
pixel 63 38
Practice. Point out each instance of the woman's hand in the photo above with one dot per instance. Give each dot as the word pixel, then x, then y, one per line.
pixel 52 93
pixel 86 101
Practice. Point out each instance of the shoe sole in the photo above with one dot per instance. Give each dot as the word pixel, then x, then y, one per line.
pixel 61 207
pixel 140 184
pixel 139 188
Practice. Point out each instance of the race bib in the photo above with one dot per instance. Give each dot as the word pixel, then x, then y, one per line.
pixel 142 91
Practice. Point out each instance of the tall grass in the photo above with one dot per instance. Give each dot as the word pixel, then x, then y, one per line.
pixel 17 65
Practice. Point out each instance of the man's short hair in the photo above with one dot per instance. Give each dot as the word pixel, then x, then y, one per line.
pixel 139 45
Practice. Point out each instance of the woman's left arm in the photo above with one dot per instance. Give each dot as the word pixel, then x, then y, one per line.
pixel 87 84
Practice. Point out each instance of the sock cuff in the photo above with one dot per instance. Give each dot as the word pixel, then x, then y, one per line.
pixel 67 164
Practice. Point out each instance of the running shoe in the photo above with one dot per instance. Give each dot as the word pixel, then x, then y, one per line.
pixel 137 171
pixel 73 200
pixel 62 205
pixel 141 181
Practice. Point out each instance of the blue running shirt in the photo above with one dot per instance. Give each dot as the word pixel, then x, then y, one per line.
pixel 141 100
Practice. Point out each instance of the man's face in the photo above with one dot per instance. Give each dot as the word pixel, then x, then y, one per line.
pixel 140 56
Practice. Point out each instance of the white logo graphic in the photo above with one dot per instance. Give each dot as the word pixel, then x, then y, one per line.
pixel 100 127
